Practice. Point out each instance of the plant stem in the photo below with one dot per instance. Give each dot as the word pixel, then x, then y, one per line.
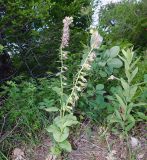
pixel 128 146
pixel 61 81
pixel 78 75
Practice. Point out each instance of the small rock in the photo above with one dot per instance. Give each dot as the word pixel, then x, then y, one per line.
pixel 140 156
pixel 134 142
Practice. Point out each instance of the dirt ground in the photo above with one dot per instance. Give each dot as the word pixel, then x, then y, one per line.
pixel 89 144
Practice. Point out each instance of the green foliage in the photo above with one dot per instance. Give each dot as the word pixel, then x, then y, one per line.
pixel 21 105
pixel 107 62
pixel 1 48
pixel 93 103
pixel 123 115
pixel 96 101
pixel 31 31
pixel 125 20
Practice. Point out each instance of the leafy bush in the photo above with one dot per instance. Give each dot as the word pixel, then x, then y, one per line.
pixel 95 101
pixel 21 104
pixel 125 20
pixel 126 99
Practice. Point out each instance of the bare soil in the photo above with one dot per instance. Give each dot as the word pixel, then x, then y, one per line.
pixel 90 145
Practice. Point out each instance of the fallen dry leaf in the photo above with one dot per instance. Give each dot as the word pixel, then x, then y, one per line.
pixel 50 157
pixel 18 154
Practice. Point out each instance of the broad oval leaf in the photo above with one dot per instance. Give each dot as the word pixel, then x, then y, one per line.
pixel 65 145
pixel 66 121
pixel 61 136
pixel 114 51
pixel 70 120
pixel 53 128
pixel 114 63
pixel 99 87
pixel 102 74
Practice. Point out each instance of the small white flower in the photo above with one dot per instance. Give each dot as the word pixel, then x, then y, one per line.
pixel 69 107
pixel 64 77
pixel 82 84
pixel 87 66
pixel 65 68
pixel 83 79
pixel 64 84
pixel 78 88
pixel 64 56
pixel 111 77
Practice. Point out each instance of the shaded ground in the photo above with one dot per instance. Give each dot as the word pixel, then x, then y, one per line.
pixel 89 144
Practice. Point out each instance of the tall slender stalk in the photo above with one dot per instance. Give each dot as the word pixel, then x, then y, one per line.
pixel 61 80
pixel 78 75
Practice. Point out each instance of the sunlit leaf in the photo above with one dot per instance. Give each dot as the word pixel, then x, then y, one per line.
pixel 114 51
pixel 115 63
pixel 61 136
pixel 52 109
pixel 65 145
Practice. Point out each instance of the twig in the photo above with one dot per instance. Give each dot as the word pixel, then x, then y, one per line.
pixel 3 125
pixel 7 134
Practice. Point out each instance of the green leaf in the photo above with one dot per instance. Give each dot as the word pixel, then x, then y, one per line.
pixel 100 100
pixel 57 90
pixel 113 119
pixel 131 123
pixel 114 51
pixel 61 136
pixel 66 121
pixel 102 64
pixel 46 103
pixel 133 90
pixel 134 63
pixel 121 102
pixel 65 145
pixel 106 54
pixel 1 47
pixel 51 109
pixel 118 115
pixel 125 84
pixel 114 63
pixel 142 115
pixel 55 150
pixel 134 73
pixel 53 128
pixel 111 98
pixel 140 104
pixel 102 74
pixel 145 77
pixel 129 55
pixel 129 109
pixel 70 120
pixel 99 87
